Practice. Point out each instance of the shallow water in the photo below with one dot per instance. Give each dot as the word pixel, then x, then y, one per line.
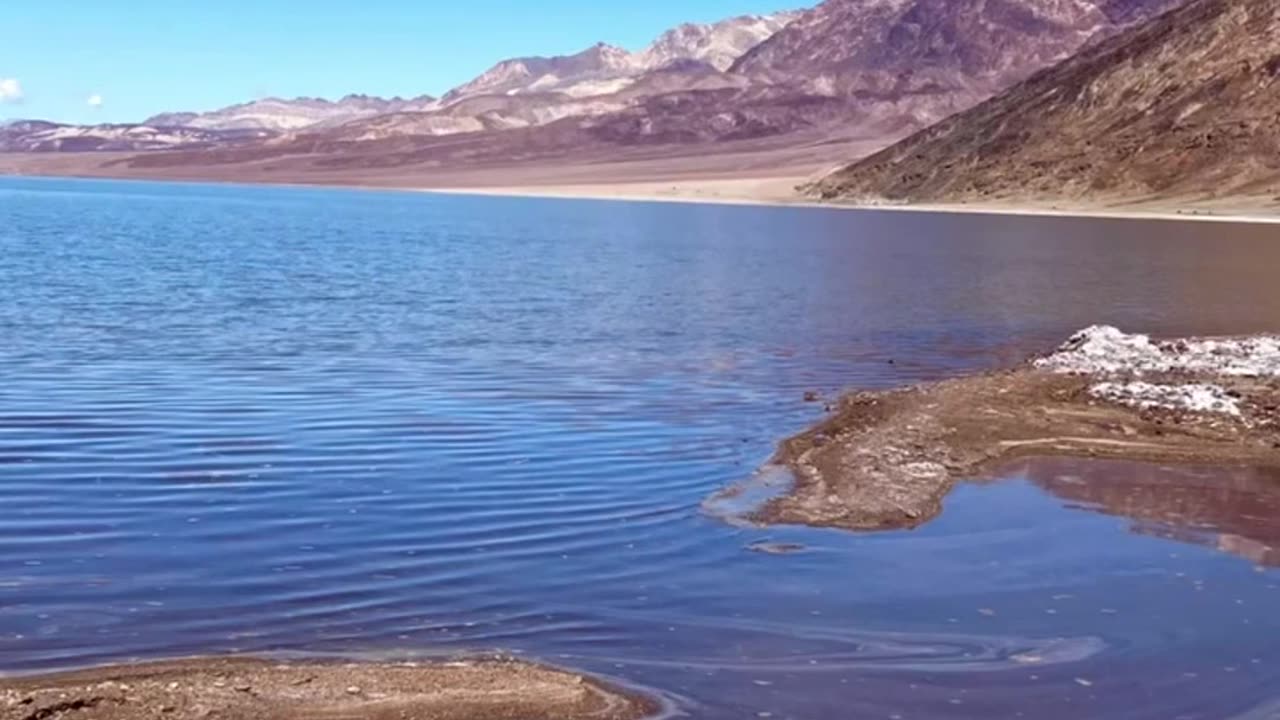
pixel 389 425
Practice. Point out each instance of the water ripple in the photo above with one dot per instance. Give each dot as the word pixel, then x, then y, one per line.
pixel 355 423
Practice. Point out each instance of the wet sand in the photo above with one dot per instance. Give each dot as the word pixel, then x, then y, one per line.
pixel 886 460
pixel 241 689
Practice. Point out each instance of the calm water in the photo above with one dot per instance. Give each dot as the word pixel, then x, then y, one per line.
pixel 388 425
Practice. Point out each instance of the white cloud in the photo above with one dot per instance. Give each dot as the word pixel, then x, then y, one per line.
pixel 94 101
pixel 10 90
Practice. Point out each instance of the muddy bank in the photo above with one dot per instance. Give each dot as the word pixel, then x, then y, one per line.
pixel 240 689
pixel 886 460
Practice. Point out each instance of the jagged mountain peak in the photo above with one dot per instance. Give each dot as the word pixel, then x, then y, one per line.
pixel 605 68
pixel 717 44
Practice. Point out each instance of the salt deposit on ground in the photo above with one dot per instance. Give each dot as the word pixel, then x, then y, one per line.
pixel 1195 397
pixel 1105 350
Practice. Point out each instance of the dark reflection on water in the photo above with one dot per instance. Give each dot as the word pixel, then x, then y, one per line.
pixel 252 419
pixel 1235 510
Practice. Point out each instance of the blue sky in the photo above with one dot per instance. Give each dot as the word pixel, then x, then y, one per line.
pixel 123 60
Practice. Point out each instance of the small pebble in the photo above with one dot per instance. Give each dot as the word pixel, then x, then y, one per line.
pixel 353 690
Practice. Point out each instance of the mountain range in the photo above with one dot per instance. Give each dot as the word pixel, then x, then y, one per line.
pixel 888 66
pixel 278 115
pixel 942 100
pixel 549 88
pixel 604 69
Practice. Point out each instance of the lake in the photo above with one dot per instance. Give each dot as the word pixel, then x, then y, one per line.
pixel 393 425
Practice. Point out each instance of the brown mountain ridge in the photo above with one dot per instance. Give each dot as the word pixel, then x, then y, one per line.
pixel 869 70
pixel 1187 106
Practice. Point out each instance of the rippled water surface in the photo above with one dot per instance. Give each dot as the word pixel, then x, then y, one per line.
pixel 391 425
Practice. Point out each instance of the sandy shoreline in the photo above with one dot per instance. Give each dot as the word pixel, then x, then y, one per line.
pixel 748 175
pixel 235 688
pixel 780 192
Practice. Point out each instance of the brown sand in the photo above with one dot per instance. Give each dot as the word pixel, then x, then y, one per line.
pixel 750 174
pixel 244 689
pixel 886 460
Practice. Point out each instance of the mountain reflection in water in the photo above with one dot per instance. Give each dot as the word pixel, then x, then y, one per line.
pixel 1233 510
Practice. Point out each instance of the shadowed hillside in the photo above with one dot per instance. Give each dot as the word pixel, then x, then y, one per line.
pixel 1185 106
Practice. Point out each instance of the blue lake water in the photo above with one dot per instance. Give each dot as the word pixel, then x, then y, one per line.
pixel 275 420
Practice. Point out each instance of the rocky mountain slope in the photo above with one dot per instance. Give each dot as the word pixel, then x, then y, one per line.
pixel 604 69
pixel 1188 105
pixel 926 59
pixel 281 115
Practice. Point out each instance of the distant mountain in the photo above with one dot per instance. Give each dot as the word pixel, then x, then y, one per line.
pixel 280 115
pixel 885 67
pixel 605 69
pixel 1186 105
pixel 922 60
pixel 596 81
pixel 39 136
pixel 481 113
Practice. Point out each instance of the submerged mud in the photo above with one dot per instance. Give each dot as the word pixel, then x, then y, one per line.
pixel 886 460
pixel 241 689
